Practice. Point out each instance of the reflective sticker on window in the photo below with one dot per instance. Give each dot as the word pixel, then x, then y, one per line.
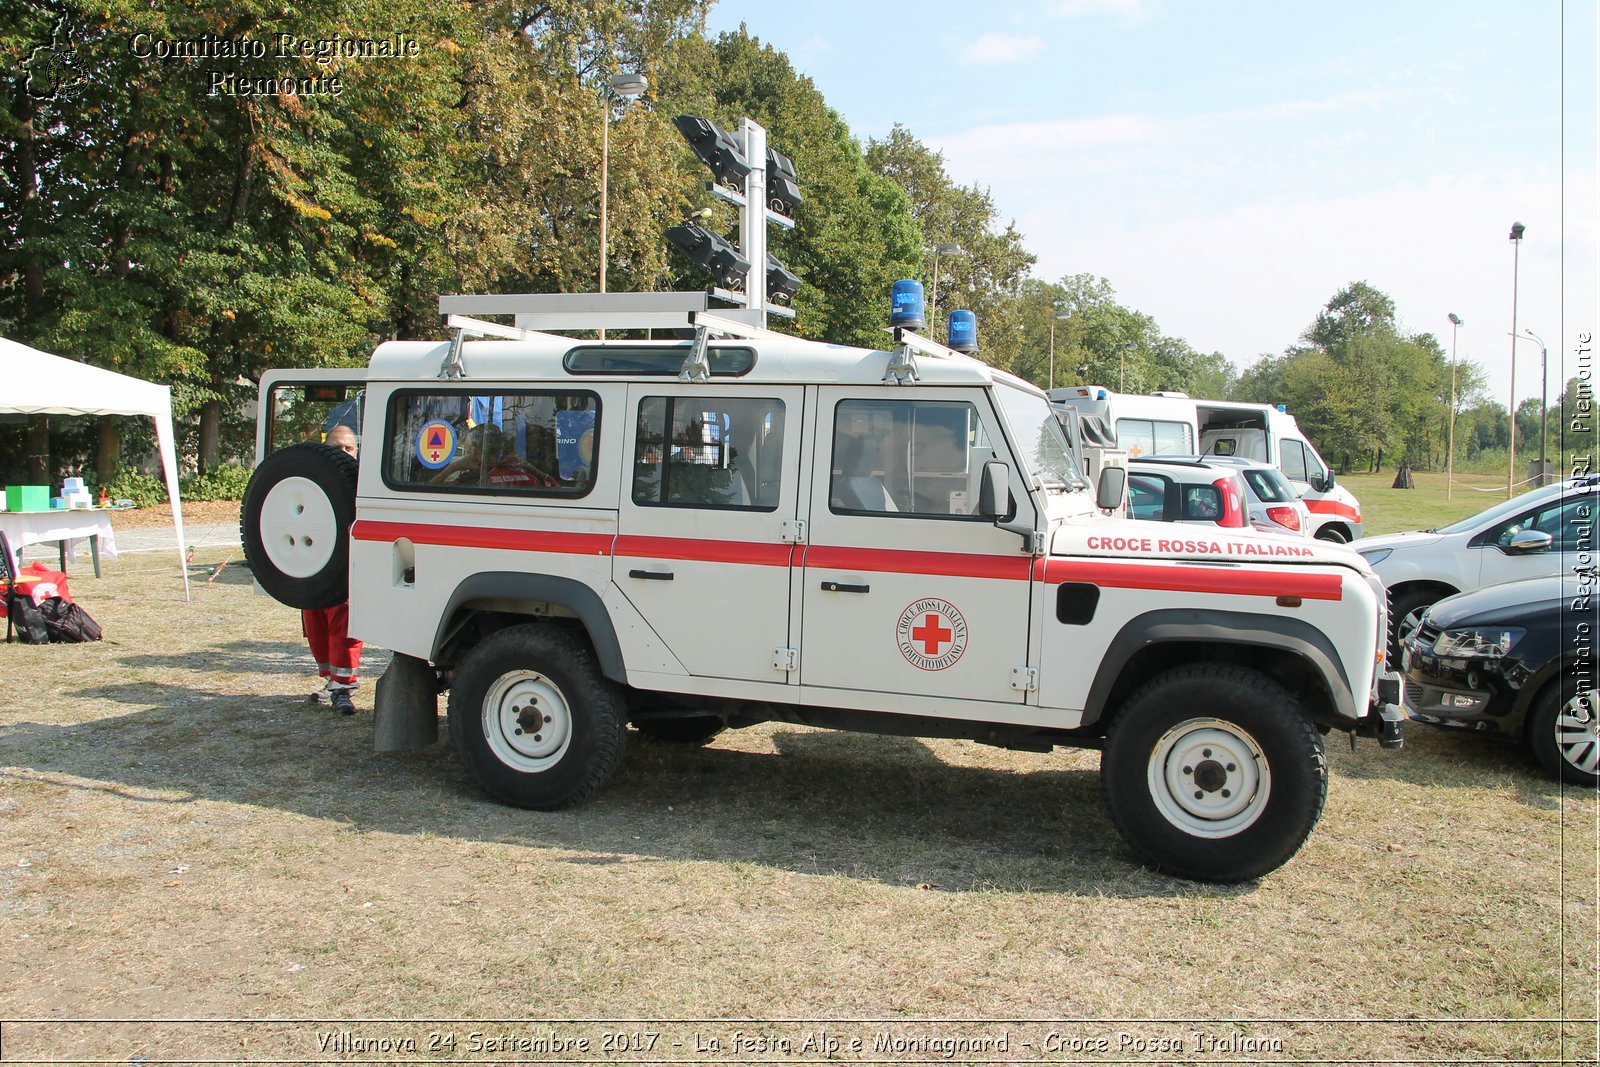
pixel 436 444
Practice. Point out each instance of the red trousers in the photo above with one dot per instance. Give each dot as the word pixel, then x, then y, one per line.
pixel 337 656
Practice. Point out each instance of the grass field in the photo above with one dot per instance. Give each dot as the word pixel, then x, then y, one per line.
pixel 185 837
pixel 1385 509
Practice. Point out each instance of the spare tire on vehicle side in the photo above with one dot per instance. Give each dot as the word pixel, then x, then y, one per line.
pixel 295 525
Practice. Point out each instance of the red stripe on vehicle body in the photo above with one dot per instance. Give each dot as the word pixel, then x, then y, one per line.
pixel 1181 579
pixel 1111 574
pixel 749 552
pixel 1333 507
pixel 580 544
pixel 897 561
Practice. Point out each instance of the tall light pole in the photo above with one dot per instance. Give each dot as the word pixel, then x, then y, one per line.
pixel 1450 456
pixel 933 298
pixel 1517 229
pixel 624 85
pixel 1544 384
pixel 1055 316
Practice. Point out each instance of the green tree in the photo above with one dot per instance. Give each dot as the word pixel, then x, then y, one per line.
pixel 986 275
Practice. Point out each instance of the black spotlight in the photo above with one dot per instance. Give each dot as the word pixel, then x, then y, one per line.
pixel 782 283
pixel 711 252
pixel 783 191
pixel 717 149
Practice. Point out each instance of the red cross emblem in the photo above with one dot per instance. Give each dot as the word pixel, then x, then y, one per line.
pixel 931 634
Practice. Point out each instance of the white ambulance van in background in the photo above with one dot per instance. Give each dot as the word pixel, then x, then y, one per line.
pixel 1177 424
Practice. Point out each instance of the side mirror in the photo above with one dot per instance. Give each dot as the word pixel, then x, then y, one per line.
pixel 1529 543
pixel 994 490
pixel 1113 487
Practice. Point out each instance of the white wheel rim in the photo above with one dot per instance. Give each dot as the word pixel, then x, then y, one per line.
pixel 299 531
pixel 526 721
pixel 1576 731
pixel 1209 778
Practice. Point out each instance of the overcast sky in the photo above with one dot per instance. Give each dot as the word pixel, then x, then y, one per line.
pixel 1230 164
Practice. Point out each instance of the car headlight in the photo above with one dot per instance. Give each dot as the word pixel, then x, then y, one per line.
pixel 1489 643
pixel 1376 556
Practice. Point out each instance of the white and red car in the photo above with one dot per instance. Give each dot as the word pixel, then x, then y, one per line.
pixel 751 527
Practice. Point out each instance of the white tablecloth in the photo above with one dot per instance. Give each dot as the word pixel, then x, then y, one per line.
pixel 72 525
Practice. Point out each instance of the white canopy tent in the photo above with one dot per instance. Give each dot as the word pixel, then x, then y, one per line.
pixel 37 383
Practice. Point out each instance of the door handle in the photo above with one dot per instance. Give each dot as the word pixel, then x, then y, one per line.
pixel 653 576
pixel 840 587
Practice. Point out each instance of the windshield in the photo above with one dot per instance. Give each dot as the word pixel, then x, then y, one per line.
pixel 1038 436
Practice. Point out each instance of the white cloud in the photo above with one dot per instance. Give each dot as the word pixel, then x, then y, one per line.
pixel 1003 48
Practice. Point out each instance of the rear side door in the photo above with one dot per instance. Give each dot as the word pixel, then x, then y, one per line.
pixel 706 528
pixel 903 589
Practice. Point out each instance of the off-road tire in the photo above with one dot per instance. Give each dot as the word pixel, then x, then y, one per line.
pixel 1238 740
pixel 295 521
pixel 695 730
pixel 533 718
pixel 1561 731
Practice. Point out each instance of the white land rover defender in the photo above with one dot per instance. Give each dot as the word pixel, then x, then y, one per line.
pixel 686 536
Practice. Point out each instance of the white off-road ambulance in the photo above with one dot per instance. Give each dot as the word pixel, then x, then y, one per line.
pixel 1170 423
pixel 577 536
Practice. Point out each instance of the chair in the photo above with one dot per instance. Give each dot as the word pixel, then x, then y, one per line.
pixel 12 582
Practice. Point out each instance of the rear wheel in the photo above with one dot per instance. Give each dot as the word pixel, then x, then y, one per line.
pixel 1213 773
pixel 1564 732
pixel 533 718
pixel 1336 534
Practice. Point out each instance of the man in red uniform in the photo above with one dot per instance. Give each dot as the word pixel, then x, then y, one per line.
pixel 326 629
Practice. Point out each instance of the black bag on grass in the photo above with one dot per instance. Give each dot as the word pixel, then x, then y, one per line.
pixel 27 620
pixel 68 622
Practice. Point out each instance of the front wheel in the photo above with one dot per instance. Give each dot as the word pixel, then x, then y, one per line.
pixel 533 718
pixel 1335 534
pixel 1213 773
pixel 1564 732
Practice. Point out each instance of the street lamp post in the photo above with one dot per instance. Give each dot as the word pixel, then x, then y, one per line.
pixel 1544 384
pixel 624 85
pixel 1450 456
pixel 1055 317
pixel 1517 230
pixel 933 298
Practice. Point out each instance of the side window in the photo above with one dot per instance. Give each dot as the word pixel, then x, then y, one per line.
pixel 1203 502
pixel 1294 460
pixel 907 457
pixel 709 452
pixel 1154 437
pixel 1147 496
pixel 1568 523
pixel 308 411
pixel 524 443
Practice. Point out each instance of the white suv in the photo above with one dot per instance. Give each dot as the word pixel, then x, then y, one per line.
pixel 1542 532
pixel 576 536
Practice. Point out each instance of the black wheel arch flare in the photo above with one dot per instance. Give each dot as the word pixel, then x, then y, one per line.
pixel 1242 630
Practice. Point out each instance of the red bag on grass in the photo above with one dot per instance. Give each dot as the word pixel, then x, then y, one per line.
pixel 39 583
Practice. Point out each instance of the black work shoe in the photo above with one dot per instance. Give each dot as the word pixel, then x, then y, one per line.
pixel 342 702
